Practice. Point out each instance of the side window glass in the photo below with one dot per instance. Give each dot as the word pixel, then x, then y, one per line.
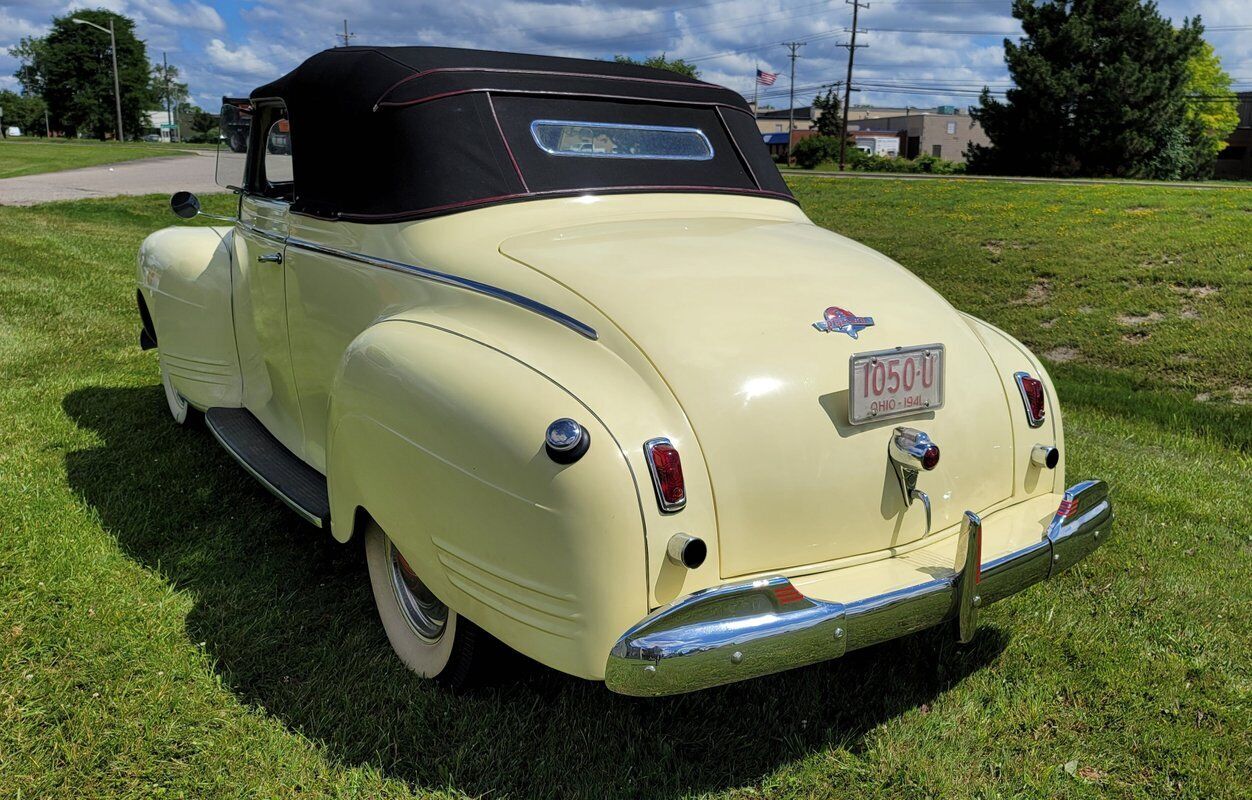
pixel 278 173
pixel 232 147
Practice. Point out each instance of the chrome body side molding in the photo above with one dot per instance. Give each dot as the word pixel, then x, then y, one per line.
pixel 450 280
pixel 737 631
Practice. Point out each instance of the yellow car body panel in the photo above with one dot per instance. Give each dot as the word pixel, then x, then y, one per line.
pixel 424 403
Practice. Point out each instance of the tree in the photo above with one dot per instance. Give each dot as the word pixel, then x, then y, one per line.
pixel 1100 90
pixel 1211 104
pixel 827 109
pixel 71 69
pixel 22 111
pixel 165 88
pixel 196 124
pixel 661 62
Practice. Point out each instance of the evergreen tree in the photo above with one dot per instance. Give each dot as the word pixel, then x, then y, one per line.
pixel 1100 91
pixel 827 110
pixel 72 70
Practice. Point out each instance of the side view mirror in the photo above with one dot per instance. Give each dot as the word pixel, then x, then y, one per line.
pixel 185 205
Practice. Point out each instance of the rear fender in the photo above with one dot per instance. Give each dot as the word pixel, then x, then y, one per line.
pixel 439 438
pixel 1011 356
pixel 184 277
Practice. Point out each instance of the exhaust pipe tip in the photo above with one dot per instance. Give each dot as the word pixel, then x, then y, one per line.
pixel 1045 456
pixel 687 550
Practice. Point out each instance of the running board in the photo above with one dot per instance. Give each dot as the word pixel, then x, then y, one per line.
pixel 278 469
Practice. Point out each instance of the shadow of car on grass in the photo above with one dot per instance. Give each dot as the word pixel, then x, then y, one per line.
pixel 288 616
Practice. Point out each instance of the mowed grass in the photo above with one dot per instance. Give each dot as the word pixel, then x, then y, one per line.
pixel 169 629
pixel 23 156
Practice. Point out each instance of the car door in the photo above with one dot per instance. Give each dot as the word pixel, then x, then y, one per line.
pixel 259 288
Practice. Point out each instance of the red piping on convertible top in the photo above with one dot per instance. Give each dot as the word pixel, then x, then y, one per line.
pixel 505 71
pixel 542 93
pixel 507 147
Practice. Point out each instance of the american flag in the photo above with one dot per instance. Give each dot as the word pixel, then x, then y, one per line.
pixel 766 78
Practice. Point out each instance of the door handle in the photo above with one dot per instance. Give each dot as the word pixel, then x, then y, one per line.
pixel 270 258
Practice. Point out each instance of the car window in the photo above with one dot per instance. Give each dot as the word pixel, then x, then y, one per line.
pixel 278 169
pixel 608 140
pixel 232 148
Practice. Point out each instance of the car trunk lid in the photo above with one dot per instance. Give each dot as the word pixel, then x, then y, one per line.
pixel 725 307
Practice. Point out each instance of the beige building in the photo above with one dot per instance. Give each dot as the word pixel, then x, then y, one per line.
pixel 928 133
pixel 775 120
pixel 945 131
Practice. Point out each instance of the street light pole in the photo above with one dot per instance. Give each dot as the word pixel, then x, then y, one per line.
pixel 117 89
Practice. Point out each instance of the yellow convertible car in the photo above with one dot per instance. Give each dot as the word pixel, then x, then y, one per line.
pixel 554 338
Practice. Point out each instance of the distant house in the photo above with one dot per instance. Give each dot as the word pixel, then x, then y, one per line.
pixel 1236 160
pixel 945 131
pixel 943 135
pixel 777 142
pixel 775 121
pixel 157 125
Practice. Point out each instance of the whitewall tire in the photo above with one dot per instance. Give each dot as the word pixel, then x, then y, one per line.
pixel 182 411
pixel 430 638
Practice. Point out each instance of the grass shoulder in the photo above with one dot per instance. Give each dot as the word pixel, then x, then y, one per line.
pixel 27 156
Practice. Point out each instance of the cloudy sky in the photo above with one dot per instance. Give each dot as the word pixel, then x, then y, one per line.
pixel 921 52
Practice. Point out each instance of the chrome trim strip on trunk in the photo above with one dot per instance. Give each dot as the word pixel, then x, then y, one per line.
pixel 737 631
pixel 450 280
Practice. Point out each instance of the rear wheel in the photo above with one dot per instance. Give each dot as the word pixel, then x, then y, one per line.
pixel 183 412
pixel 430 638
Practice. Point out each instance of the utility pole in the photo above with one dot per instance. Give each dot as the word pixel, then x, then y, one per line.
pixel 165 70
pixel 756 92
pixel 847 88
pixel 345 35
pixel 47 129
pixel 791 103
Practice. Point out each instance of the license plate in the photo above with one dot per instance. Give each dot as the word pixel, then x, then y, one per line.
pixel 891 383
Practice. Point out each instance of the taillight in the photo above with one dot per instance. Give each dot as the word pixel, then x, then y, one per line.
pixel 667 474
pixel 1067 508
pixel 1032 395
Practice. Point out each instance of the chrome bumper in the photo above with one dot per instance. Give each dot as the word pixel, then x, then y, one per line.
pixel 745 630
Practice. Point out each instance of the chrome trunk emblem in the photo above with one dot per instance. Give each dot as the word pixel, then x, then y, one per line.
pixel 843 321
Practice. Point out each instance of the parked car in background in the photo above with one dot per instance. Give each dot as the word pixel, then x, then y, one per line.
pixel 554 337
pixel 14 131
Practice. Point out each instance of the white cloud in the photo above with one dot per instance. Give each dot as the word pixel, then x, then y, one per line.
pixel 221 52
pixel 243 60
pixel 195 16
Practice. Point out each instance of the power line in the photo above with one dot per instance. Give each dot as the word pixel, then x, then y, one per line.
pixel 752 19
pixel 847 87
pixel 794 47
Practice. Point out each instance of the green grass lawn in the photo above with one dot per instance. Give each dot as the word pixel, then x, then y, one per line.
pixel 169 629
pixel 28 156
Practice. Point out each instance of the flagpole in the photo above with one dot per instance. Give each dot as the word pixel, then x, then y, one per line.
pixel 756 91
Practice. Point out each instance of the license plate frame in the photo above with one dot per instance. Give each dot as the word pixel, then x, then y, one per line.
pixel 862 413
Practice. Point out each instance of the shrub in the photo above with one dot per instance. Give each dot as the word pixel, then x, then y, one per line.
pixel 815 150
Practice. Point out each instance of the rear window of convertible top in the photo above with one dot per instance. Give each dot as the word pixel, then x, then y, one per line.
pixel 620 140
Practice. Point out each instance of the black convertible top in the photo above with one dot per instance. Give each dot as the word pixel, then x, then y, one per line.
pixel 381 134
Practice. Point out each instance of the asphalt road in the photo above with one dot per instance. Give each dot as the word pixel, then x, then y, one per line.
pixel 145 176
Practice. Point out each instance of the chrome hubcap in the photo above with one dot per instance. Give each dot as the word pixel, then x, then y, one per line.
pixel 425 614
